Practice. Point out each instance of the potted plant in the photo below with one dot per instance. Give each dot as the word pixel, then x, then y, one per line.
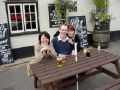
pixel 61 7
pixel 101 17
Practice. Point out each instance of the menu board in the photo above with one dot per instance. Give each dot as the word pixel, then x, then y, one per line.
pixel 52 16
pixel 5 46
pixel 79 23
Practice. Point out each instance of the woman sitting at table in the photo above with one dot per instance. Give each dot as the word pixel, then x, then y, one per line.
pixel 73 38
pixel 43 51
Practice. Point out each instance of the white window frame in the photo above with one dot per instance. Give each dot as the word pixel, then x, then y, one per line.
pixel 18 31
pixel 23 18
pixel 30 18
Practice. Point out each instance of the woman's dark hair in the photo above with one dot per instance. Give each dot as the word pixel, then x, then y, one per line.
pixel 46 34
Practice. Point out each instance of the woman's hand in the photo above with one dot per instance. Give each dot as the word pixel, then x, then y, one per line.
pixel 70 40
pixel 74 53
pixel 45 48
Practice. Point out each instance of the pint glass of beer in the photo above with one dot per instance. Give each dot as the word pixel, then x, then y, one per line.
pixel 59 62
pixel 85 50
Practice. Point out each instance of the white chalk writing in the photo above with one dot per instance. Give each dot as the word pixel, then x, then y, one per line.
pixel 2 31
pixel 4 41
pixel 5 49
pixel 53 16
pixel 80 26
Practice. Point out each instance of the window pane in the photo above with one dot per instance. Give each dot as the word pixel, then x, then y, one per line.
pixel 28 25
pixel 13 18
pixel 32 17
pixel 27 9
pixel 32 8
pixel 12 10
pixel 19 26
pixel 14 26
pixel 33 24
pixel 18 17
pixel 17 9
pixel 27 17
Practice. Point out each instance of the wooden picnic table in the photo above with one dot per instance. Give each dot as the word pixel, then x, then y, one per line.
pixel 47 73
pixel 115 85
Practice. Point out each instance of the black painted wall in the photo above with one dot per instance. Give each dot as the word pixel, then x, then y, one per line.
pixel 23 52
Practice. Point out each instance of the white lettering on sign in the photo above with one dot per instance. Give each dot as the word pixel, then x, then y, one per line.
pixel 6 58
pixel 80 26
pixel 5 47
pixel 54 16
pixel 4 41
pixel 2 31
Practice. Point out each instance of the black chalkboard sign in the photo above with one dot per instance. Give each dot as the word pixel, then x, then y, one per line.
pixel 5 46
pixel 79 23
pixel 52 16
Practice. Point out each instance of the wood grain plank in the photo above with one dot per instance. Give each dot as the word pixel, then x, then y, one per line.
pixel 75 71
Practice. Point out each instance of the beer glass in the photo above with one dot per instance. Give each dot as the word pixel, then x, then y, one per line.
pixel 59 61
pixel 88 54
pixel 85 51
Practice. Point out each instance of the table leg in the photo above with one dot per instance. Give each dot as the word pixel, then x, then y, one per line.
pixel 49 86
pixel 117 67
pixel 108 72
pixel 35 81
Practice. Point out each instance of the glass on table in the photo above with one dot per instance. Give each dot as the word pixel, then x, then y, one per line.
pixel 85 50
pixel 59 61
pixel 88 54
pixel 63 57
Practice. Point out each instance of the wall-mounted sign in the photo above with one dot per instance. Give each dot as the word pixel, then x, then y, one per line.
pixel 75 7
pixel 5 46
pixel 79 23
pixel 52 16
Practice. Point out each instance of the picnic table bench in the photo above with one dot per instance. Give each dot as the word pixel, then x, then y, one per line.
pixel 115 85
pixel 48 73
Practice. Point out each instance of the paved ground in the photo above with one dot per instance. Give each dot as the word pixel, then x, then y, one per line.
pixel 14 76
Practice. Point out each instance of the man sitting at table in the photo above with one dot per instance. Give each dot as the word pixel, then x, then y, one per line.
pixel 61 42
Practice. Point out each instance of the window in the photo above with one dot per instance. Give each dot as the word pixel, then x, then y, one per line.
pixel 22 17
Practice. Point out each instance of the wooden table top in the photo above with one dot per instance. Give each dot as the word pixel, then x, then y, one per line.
pixel 49 71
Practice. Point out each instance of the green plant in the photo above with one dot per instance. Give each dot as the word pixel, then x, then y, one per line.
pixel 60 10
pixel 101 5
pixel 100 14
pixel 61 7
pixel 102 17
